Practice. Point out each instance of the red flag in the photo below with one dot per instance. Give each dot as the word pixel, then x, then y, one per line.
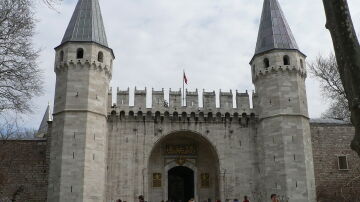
pixel 185 79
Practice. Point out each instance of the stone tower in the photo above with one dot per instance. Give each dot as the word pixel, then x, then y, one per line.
pixel 279 73
pixel 83 70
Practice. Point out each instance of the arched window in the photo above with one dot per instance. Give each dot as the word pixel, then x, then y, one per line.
pixel 266 63
pixel 286 60
pixel 80 53
pixel 301 63
pixel 100 57
pixel 61 56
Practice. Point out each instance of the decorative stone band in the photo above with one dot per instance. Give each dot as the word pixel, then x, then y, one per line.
pixel 79 111
pixel 84 63
pixel 263 71
pixel 282 115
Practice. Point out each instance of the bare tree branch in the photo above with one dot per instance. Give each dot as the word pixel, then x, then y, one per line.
pixel 20 76
pixel 325 69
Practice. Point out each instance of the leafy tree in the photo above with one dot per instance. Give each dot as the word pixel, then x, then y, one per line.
pixel 347 51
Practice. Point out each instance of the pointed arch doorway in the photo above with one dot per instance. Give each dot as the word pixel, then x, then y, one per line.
pixel 183 165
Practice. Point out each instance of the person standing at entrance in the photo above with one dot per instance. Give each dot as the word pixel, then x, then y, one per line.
pixel 246 199
pixel 274 198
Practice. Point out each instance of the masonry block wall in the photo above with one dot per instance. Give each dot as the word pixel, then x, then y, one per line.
pixel 135 152
pixel 23 171
pixel 284 150
pixel 78 139
pixel 23 163
pixel 331 140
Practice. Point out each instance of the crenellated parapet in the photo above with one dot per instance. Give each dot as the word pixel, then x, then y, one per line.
pixel 84 63
pixel 173 108
pixel 84 55
pixel 274 62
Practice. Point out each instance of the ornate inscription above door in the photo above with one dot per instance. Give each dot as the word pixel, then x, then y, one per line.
pixel 175 150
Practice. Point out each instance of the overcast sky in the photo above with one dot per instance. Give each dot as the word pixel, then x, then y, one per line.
pixel 214 40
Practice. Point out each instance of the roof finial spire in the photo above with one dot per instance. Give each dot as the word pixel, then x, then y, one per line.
pixel 274 31
pixel 86 24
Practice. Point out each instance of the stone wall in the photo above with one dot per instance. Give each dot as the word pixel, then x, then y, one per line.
pixel 134 139
pixel 23 171
pixel 284 148
pixel 330 140
pixel 23 167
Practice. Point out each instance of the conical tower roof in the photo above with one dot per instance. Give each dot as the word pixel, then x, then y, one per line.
pixel 43 128
pixel 86 24
pixel 274 31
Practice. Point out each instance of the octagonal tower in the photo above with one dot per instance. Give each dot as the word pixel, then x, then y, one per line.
pixel 83 68
pixel 279 73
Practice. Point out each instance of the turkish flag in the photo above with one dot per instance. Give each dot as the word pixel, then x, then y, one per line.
pixel 185 79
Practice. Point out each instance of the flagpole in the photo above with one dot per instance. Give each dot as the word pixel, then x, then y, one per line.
pixel 183 87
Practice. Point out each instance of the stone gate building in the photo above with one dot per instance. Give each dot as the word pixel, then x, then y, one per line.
pixel 180 149
pixel 101 152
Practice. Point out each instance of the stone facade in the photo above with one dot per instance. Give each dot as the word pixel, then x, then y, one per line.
pixel 285 155
pixel 29 170
pixel 137 141
pixel 179 149
pixel 23 170
pixel 331 140
pixel 79 138
pixel 102 152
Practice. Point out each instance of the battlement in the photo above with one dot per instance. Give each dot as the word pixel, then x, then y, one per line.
pixel 276 61
pixel 263 71
pixel 228 104
pixel 83 63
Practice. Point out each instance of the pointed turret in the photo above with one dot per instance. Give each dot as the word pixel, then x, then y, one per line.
pixel 43 128
pixel 86 24
pixel 78 150
pixel 274 31
pixel 279 72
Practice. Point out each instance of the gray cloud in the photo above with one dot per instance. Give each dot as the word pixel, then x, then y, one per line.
pixel 213 40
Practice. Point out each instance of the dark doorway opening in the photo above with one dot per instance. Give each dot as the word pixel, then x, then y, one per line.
pixel 181 184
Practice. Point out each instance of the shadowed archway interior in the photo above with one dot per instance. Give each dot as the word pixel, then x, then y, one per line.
pixel 181 184
pixel 183 165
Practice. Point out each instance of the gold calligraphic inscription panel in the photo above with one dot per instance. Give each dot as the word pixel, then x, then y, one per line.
pixel 156 179
pixel 180 150
pixel 205 180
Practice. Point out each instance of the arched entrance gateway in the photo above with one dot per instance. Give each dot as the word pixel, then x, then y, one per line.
pixel 183 165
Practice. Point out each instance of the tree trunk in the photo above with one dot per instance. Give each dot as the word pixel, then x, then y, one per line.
pixel 347 53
